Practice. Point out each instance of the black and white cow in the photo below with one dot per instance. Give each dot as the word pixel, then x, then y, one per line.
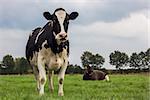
pixel 48 48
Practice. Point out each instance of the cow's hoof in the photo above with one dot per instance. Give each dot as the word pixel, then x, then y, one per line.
pixel 41 94
pixel 61 94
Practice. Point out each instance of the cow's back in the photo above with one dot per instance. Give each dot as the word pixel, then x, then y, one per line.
pixel 31 47
pixel 98 75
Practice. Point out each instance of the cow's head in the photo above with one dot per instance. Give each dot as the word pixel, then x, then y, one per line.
pixel 89 69
pixel 60 19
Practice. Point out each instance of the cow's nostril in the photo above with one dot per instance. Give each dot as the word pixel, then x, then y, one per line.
pixel 63 35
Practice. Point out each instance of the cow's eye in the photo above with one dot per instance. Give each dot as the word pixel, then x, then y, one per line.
pixel 54 20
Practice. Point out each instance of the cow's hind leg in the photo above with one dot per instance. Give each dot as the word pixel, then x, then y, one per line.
pixel 50 77
pixel 61 79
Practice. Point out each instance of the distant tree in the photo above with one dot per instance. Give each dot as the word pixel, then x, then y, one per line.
pixel 89 59
pixel 147 58
pixel 70 69
pixel 135 61
pixel 97 61
pixel 141 60
pixel 9 63
pixel 21 65
pixel 17 65
pixel 74 69
pixel 119 59
pixel 77 69
pixel 86 58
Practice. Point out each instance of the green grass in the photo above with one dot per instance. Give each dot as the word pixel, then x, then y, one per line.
pixel 121 87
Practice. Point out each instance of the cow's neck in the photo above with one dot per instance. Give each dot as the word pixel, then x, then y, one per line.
pixel 57 48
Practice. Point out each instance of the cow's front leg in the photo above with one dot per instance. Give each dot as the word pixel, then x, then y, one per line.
pixel 50 77
pixel 42 75
pixel 61 79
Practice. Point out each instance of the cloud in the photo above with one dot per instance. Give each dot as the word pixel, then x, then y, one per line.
pixel 136 25
pixel 127 35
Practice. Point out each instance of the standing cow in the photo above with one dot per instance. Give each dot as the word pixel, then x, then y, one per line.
pixel 48 47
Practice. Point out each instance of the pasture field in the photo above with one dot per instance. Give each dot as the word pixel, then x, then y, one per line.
pixel 121 87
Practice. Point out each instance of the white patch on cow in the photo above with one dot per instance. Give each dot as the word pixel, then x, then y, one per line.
pixel 61 15
pixel 60 90
pixel 61 76
pixel 45 42
pixel 38 35
pixel 54 34
pixel 41 91
pixel 107 78
pixel 50 77
pixel 53 61
pixel 42 73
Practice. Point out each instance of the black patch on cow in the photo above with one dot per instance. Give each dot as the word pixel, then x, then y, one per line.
pixel 47 15
pixel 42 80
pixel 66 23
pixel 64 60
pixel 56 25
pixel 59 9
pixel 73 15
pixel 60 81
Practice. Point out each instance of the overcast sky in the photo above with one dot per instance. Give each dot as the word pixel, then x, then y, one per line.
pixel 102 26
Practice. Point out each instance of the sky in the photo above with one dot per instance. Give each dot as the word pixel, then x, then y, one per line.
pixel 102 26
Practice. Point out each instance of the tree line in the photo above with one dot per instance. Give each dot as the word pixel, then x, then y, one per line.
pixel 19 65
pixel 121 61
pixel 118 59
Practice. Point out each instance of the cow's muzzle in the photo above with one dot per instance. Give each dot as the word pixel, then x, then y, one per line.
pixel 62 37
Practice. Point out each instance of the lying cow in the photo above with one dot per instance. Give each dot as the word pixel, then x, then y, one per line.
pixel 91 74
pixel 48 47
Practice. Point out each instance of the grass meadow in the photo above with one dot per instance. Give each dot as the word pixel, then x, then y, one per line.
pixel 121 87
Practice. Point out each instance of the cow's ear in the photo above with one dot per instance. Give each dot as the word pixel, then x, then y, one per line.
pixel 47 15
pixel 73 15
